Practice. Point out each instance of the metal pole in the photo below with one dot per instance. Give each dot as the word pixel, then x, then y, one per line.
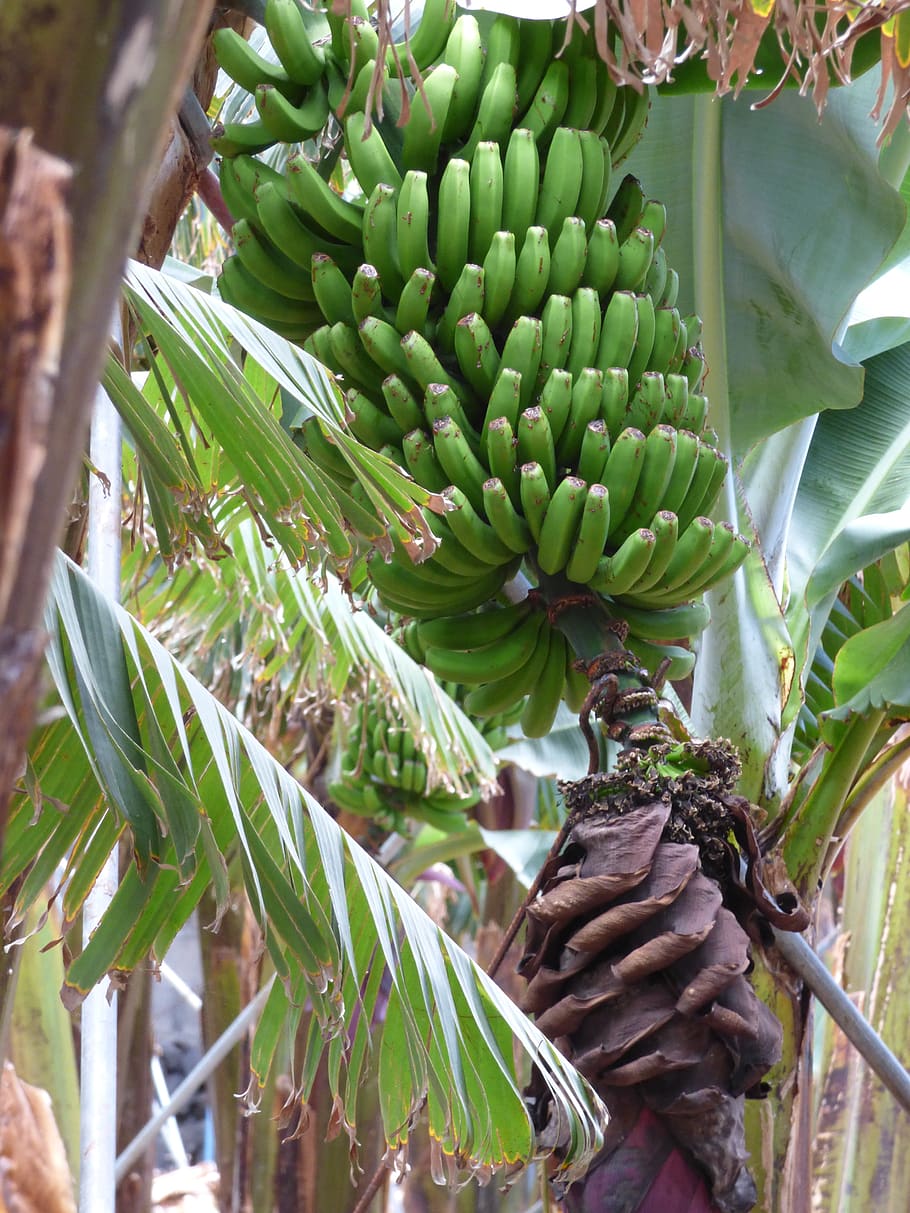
pixel 98 1095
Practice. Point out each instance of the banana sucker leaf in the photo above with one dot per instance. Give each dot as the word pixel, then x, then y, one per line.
pixel 386 985
pixel 776 222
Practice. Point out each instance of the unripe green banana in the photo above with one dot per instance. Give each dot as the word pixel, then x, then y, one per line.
pixel 667 327
pixel 606 100
pixel 453 222
pixel 423 365
pixel 589 543
pixel 665 528
pixel 577 686
pixel 492 662
pixel 570 252
pixel 248 68
pixel 282 222
pixel 670 293
pixel 595 181
pixel 413 219
pixel 414 302
pixel 370 159
pixel 556 335
pixel 534 57
pixel 451 554
pixel 614 400
pixel 243 139
pixel 503 45
pixel 323 451
pixel 532 273
pixel 427 119
pixel 268 264
pixel 561 184
pixel 595 450
pixel 695 416
pixel 349 356
pixel 656 469
pixel 622 473
pixel 511 529
pixel 535 442
pixel 424 45
pixel 627 207
pixel 635 255
pixel 465 52
pixel 603 257
pixel 672 623
pixel 472 631
pixel 241 178
pixel 476 352
pixel 619 331
pixel 687 447
pixel 556 401
pixel 535 496
pixel 560 525
pixel 499 277
pixel 467 296
pixel 617 574
pixel 582 93
pixel 382 342
pixel 654 219
pixel 293 123
pixel 647 403
pixel 495 112
pixel 420 458
pixel 635 115
pixel 545 696
pixel 693 367
pixel 653 656
pixel 366 293
pixel 501 695
pixel 706 483
pixel 502 456
pixel 691 551
pixel 486 199
pixel 644 341
pixel 292 32
pixel 441 402
pixel 544 114
pixel 587 391
pixel 459 463
pixel 331 290
pixel 520 183
pixel 586 326
pixel 337 216
pixel 504 402
pixel 380 238
pixel 656 280
pixel 238 287
pixel 727 552
pixel 522 352
pixel 475 534
pixel 368 423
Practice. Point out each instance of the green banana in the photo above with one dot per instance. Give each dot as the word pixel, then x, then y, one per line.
pixel 509 526
pixel 349 355
pixel 622 472
pixel 556 401
pixel 463 632
pixel 635 115
pixel 370 160
pixel 366 293
pixel 380 238
pixel 691 551
pixel 644 341
pixel 369 424
pixel 413 224
pixel 453 222
pixel 489 663
pixel 361 42
pixel 592 536
pixel 292 123
pixel 282 223
pixel 450 554
pixel 562 178
pixel 657 462
pixel 687 446
pixel 727 552
pixel 583 93
pixel 603 257
pixel 429 40
pixel 243 139
pixel 323 451
pixel 635 255
pixel 595 450
pixel 501 456
pixel 627 207
pixel 693 367
pixel 486 199
pixel 653 656
pixel 706 483
pixel 292 31
pixel 618 573
pixel 475 534
pixel 500 695
pixel 268 264
pixel 665 528
pixel 503 401
pixel 498 277
pixel 535 442
pixel 427 119
pixel 249 69
pixel 402 406
pixel 556 335
pixel 647 403
pixel 520 182
pixel 423 365
pixel 586 326
pixel 587 391
pixel 670 293
pixel 238 287
pixel 441 402
pixel 667 327
pixel 607 93
pixel 619 331
pixel 241 177
pixel 654 219
pixel 421 600
pixel 503 45
pixel 577 686
pixel 672 623
pixel 476 352
pixel 459 463
pixel 337 216
pixel 331 290
pixel 544 114
pixel 535 496
pixel 534 56
pixel 545 696
pixel 560 524
pixel 614 400
pixel 656 280
pixel 696 413
pixel 532 273
pixel 570 252
pixel 595 179
pixel 382 342
pixel 467 296
pixel 495 112
pixel 464 51
pixel 522 352
pixel 420 459
pixel 414 302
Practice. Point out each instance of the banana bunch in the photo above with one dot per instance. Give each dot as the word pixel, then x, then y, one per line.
pixel 384 774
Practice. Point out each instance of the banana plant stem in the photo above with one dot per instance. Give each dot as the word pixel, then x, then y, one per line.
pixel 804 961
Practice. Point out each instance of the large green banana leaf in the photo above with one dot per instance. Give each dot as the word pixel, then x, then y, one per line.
pixel 143 743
